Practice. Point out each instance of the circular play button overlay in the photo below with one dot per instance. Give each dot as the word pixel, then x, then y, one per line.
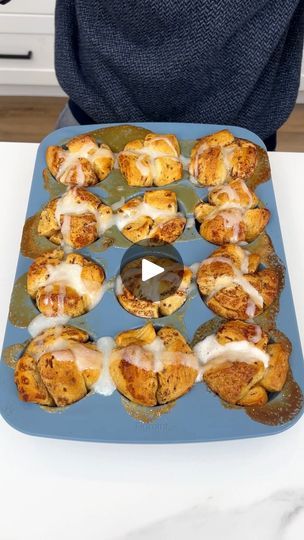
pixel 150 273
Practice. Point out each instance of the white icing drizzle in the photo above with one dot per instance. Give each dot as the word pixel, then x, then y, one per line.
pixel 42 347
pixel 233 196
pixel 84 356
pixel 258 334
pixel 157 349
pixel 210 352
pixel 150 154
pixel 154 357
pixel 201 149
pixel 248 193
pixel 251 308
pixel 41 323
pixel 66 275
pixel 66 350
pixel 168 142
pixel 118 204
pixel 61 297
pixel 119 288
pixel 185 161
pixel 150 357
pixel 135 355
pixel 230 191
pixel 245 261
pixel 194 268
pixel 142 167
pixel 67 206
pixel 105 384
pixel 66 230
pixel 69 275
pixel 193 180
pixel 226 152
pixel 89 151
pixel 232 214
pixel 190 222
pixel 128 215
pixel 221 282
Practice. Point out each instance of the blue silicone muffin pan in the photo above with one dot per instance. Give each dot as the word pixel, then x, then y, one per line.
pixel 197 416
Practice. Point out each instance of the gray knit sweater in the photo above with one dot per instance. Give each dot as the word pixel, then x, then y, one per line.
pixel 216 61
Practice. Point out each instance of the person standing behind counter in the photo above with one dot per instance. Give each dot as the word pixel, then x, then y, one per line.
pixel 225 62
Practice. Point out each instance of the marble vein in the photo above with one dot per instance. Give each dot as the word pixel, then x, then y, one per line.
pixel 265 519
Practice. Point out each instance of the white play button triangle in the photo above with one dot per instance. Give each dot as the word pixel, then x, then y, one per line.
pixel 150 270
pixel 149 273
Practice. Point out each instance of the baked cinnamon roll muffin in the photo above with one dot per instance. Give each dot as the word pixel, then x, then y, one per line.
pixel 149 367
pixel 82 162
pixel 65 284
pixel 241 365
pixel 135 295
pixel 152 367
pixel 231 215
pixel 221 157
pixel 153 216
pixel 152 160
pixel 232 284
pixel 75 220
pixel 58 367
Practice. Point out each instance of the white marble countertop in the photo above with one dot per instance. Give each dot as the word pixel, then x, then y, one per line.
pixel 248 489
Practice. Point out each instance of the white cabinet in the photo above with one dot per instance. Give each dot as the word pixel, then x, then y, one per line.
pixel 27 59
pixel 27 48
pixel 29 6
pixel 26 24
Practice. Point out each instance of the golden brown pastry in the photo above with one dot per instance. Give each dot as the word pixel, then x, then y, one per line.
pixel 231 215
pixel 82 163
pixel 233 286
pixel 153 216
pixel 275 376
pixel 152 367
pixel 76 219
pixel 221 157
pixel 153 160
pixel 240 365
pixel 65 285
pixel 134 296
pixel 58 367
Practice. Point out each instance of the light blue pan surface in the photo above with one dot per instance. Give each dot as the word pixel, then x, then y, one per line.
pixel 197 416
